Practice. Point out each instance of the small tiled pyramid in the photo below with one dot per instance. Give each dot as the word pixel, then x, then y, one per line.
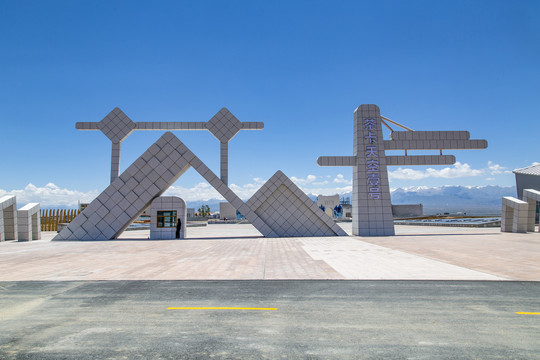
pixel 289 212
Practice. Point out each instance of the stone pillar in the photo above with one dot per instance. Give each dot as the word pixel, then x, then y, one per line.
pixel 115 161
pixel 372 208
pixel 531 196
pixel 226 210
pixel 531 215
pixel 29 222
pixel 224 162
pixel 8 218
pixel 514 215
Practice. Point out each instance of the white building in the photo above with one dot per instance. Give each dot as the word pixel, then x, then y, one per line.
pixel 329 203
pixel 527 178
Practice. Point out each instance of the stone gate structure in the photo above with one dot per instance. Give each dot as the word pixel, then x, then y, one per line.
pixel 279 208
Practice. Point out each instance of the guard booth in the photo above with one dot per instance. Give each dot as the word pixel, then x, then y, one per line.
pixel 168 215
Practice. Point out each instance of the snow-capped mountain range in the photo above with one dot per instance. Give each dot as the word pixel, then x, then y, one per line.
pixel 453 198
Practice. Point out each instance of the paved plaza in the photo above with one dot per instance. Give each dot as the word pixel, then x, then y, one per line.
pixel 239 252
pixel 226 292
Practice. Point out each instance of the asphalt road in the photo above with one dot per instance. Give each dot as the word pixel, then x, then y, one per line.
pixel 313 320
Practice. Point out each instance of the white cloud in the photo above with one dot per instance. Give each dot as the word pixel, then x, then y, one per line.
pixel 407 174
pixel 495 169
pixel 326 190
pixel 299 181
pixel 310 185
pixel 321 182
pixel 201 191
pixel 50 195
pixel 458 170
pixel 204 191
pixel 247 190
pixel 340 179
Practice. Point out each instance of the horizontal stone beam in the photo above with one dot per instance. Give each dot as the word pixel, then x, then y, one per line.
pixel 336 161
pixel 31 208
pixel 434 144
pixel 168 125
pixel 420 160
pixel 252 125
pixel 514 203
pixel 7 201
pixel 391 160
pixel 87 126
pixel 430 135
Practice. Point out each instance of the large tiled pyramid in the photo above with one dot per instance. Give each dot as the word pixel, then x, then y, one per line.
pixel 147 178
pixel 130 194
pixel 288 211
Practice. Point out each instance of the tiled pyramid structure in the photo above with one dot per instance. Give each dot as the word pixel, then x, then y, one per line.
pixel 151 175
pixel 289 212
pixel 131 193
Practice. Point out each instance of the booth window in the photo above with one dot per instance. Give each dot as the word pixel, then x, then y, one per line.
pixel 166 219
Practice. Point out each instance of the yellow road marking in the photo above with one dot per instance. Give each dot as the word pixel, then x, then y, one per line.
pixel 527 313
pixel 218 308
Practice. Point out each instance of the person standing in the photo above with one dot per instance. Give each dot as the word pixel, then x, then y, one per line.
pixel 178 228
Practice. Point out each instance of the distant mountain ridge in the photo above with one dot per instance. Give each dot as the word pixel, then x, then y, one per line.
pixel 452 198
pixel 449 198
pixel 470 199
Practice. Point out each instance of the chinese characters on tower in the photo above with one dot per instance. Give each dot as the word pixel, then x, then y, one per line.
pixel 372 159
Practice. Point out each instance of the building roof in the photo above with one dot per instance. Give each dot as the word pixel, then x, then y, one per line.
pixel 529 170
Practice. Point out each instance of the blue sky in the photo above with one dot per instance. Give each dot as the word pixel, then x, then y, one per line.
pixel 301 67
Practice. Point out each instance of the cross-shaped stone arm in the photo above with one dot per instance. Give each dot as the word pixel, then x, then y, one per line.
pixel 117 126
pixel 416 140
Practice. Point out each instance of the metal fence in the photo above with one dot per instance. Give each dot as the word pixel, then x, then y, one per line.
pixel 50 218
